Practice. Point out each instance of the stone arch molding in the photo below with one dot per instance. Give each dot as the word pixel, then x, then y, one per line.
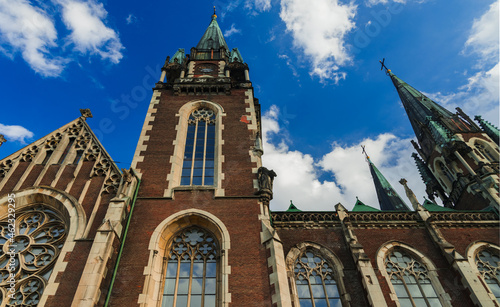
pixel 152 293
pixel 72 214
pixel 179 143
pixel 471 253
pixel 328 255
pixel 384 250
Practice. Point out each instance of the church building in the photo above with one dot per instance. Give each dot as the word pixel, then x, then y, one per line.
pixel 189 223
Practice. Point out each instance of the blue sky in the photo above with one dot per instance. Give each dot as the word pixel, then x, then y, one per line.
pixel 314 66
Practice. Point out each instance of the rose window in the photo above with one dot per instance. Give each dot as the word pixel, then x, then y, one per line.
pixel 28 258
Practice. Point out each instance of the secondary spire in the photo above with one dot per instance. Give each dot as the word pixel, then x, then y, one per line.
pixel 388 198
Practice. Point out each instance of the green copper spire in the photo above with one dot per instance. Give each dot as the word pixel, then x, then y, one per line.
pixel 388 198
pixel 489 128
pixel 418 106
pixel 213 38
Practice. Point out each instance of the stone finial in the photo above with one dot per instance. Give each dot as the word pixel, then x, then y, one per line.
pixel 86 113
pixel 409 193
pixel 2 139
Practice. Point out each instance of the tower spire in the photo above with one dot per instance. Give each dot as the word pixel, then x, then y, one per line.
pixel 388 198
pixel 213 38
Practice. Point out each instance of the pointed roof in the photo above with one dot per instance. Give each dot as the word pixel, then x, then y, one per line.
pixel 359 206
pixel 419 107
pixel 213 38
pixel 292 208
pixel 489 128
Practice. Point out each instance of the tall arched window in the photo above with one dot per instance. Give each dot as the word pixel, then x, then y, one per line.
pixel 315 280
pixel 448 177
pixel 39 235
pixel 410 280
pixel 199 154
pixel 486 152
pixel 191 274
pixel 488 264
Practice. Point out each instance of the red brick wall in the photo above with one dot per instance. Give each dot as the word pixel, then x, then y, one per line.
pixel 333 239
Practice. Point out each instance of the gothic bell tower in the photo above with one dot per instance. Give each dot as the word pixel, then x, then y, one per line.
pixel 204 195
pixel 457 159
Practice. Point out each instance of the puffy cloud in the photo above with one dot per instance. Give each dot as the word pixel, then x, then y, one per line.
pixel 29 30
pixel 231 31
pixel 480 95
pixel 15 133
pixel 89 34
pixel 299 173
pixel 483 39
pixel 319 30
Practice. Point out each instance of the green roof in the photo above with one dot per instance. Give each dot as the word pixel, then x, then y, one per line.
pixel 213 38
pixel 292 208
pixel 361 207
pixel 432 207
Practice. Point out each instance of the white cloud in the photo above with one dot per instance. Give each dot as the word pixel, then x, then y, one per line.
pixel 259 5
pixel 375 2
pixel 231 31
pixel 483 39
pixel 131 19
pixel 89 34
pixel 16 133
pixel 298 173
pixel 29 30
pixel 480 96
pixel 319 28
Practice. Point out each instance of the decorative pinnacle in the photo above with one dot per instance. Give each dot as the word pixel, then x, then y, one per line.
pixel 387 70
pixel 214 16
pixel 2 139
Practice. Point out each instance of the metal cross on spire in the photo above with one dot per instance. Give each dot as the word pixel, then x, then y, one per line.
pixel 387 70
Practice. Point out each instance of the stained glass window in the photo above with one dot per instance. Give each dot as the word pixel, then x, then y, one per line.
pixel 314 277
pixel 199 155
pixel 39 238
pixel 191 275
pixel 410 280
pixel 488 264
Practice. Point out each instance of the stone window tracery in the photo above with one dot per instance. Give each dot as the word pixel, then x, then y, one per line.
pixel 485 152
pixel 192 269
pixel 199 154
pixel 488 264
pixel 39 237
pixel 410 280
pixel 315 281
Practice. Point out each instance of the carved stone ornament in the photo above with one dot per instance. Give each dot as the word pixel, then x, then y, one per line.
pixel 265 179
pixel 111 184
pixel 2 139
pixel 51 143
pixel 82 141
pixel 92 153
pixel 86 113
pixel 5 167
pixel 74 130
pixel 29 154
pixel 101 168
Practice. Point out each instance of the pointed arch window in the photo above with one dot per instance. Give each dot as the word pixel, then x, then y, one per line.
pixel 410 280
pixel 485 152
pixel 198 167
pixel 39 237
pixel 192 269
pixel 488 264
pixel 315 281
pixel 446 172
